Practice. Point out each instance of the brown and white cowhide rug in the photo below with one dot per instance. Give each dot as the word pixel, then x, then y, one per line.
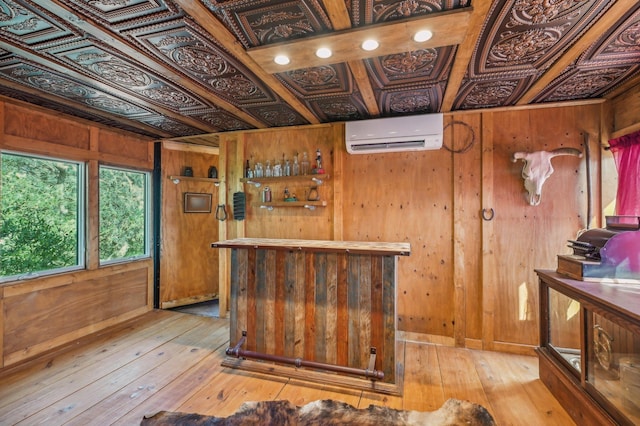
pixel 329 412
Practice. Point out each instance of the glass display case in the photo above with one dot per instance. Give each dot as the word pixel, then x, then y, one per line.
pixel 590 347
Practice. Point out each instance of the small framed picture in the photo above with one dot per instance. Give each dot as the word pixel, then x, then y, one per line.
pixel 195 202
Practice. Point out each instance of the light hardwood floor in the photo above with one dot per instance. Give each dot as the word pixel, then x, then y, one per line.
pixel 171 361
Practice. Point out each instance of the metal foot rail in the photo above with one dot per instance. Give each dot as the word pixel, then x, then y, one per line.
pixel 369 373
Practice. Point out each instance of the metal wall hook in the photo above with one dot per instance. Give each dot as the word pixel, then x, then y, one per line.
pixel 487 216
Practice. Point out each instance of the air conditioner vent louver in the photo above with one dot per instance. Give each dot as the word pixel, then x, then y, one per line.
pixel 397 134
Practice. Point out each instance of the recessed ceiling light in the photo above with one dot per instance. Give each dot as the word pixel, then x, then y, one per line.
pixel 324 52
pixel 370 44
pixel 281 60
pixel 422 35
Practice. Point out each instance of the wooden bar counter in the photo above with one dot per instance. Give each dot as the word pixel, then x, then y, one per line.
pixel 328 302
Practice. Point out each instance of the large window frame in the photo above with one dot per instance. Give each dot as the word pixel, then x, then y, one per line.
pixel 85 208
pixel 81 215
pixel 147 216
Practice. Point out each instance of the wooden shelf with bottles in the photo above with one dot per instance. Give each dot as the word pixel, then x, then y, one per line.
pixel 318 179
pixel 313 180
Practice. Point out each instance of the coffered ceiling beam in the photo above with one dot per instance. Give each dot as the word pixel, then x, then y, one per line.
pixel 448 28
pixel 339 16
pixel 204 17
pixel 464 52
pixel 601 26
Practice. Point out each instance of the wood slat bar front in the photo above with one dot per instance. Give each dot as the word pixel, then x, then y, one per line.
pixel 323 301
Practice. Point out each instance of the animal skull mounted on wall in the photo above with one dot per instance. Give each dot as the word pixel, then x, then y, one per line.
pixel 537 168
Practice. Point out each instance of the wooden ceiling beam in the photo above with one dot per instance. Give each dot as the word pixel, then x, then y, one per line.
pixel 339 16
pixel 465 52
pixel 205 18
pixel 448 29
pixel 601 26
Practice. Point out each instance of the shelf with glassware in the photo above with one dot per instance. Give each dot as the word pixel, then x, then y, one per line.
pixel 310 199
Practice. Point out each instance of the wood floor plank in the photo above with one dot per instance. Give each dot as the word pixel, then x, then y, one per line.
pixel 459 376
pixel 511 383
pixel 112 381
pixel 32 395
pixel 172 361
pixel 198 342
pixel 423 388
pixel 230 389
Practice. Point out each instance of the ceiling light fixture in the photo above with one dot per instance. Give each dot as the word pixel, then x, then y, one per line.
pixel 281 60
pixel 324 52
pixel 422 35
pixel 370 45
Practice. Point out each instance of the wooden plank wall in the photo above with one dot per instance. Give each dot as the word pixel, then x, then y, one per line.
pixel 188 266
pixel 324 307
pixel 43 313
pixel 468 282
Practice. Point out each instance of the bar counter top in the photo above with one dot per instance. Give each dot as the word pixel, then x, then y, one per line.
pixel 353 247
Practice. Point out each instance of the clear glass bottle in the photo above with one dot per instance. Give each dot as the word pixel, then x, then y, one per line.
pixel 296 166
pixel 287 168
pixel 304 164
pixel 268 172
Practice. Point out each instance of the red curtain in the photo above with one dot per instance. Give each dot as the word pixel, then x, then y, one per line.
pixel 626 153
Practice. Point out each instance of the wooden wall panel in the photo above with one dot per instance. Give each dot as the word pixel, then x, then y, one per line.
pixel 407 197
pixel 188 265
pixel 129 147
pixel 29 123
pixel 44 313
pixel 336 306
pixel 625 112
pixel 522 237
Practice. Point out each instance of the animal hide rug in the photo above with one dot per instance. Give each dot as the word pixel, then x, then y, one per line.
pixel 329 412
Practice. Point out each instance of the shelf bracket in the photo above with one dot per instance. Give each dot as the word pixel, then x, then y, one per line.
pixel 307 206
pixel 254 183
pixel 266 207
pixel 317 180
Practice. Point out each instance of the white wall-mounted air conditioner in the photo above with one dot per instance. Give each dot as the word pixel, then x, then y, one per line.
pixel 410 133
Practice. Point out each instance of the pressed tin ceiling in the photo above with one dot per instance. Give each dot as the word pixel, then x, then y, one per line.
pixel 187 67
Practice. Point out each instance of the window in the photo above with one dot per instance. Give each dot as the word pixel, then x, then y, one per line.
pixel 41 219
pixel 124 213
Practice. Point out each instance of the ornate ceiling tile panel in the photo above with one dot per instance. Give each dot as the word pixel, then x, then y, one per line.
pixel 186 49
pixel 411 101
pixel 427 66
pixel 172 127
pixel 339 108
pixel 26 25
pixel 60 85
pixel 257 23
pixel 365 12
pixel 128 77
pixel 611 59
pixel 223 121
pixel 491 93
pixel 520 40
pixel 125 12
pixel 329 79
pixel 277 115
